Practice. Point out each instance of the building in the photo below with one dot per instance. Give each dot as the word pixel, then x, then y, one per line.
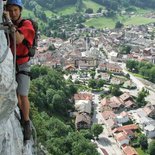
pixel 82 121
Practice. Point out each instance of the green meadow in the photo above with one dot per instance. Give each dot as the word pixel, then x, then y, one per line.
pixel 103 22
pixel 66 10
pixel 138 20
pixel 91 4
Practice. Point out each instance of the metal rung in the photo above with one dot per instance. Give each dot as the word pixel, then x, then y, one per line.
pixel 5 28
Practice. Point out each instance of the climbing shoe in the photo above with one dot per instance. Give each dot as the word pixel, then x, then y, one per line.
pixel 27 130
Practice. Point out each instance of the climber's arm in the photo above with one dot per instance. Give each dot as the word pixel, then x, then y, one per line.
pixel 19 36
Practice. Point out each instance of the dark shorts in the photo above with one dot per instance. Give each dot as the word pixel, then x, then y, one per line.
pixel 23 80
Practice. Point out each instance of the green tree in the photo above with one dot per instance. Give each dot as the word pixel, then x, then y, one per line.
pixel 89 10
pixel 152 74
pixel 79 5
pixel 92 74
pixel 92 83
pixel 118 25
pixel 151 148
pixel 132 65
pixel 83 148
pixel 52 47
pixel 141 97
pixel 35 71
pixel 99 10
pixel 126 49
pixel 115 90
pixel 96 129
pixel 142 139
pixel 86 133
pixel 100 83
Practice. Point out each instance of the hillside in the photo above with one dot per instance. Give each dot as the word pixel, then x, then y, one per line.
pixel 56 16
pixel 51 9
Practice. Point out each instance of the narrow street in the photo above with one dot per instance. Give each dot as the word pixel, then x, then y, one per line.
pixel 140 85
pixel 107 143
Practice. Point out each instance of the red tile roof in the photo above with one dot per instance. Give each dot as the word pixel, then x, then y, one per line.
pixel 128 150
pixel 125 96
pixel 121 136
pixel 83 96
pixel 126 127
pixel 108 114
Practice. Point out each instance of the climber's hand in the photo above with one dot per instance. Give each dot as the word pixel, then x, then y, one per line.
pixel 6 15
pixel 7 18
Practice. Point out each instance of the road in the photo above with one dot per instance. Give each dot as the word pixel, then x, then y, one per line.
pixel 107 143
pixel 150 98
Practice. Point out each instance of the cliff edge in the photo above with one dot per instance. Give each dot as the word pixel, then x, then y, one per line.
pixel 11 136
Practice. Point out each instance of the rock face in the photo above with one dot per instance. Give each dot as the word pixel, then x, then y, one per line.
pixel 11 136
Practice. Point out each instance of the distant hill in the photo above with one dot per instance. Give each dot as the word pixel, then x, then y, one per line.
pixel 49 13
pixel 53 5
pixel 60 7
pixel 49 8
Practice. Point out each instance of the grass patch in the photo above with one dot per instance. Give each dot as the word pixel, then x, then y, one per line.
pixel 66 10
pixel 136 74
pixel 93 5
pixel 101 22
pixel 141 11
pixel 49 13
pixel 138 20
pixel 140 151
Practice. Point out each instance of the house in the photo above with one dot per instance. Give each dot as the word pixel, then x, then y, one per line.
pixel 85 63
pixel 137 114
pixel 111 123
pixel 69 67
pixel 104 105
pixel 82 121
pixel 105 76
pixel 129 133
pixel 122 118
pixel 108 114
pixel 149 131
pixel 128 150
pixel 144 121
pixel 126 127
pixel 83 106
pixel 116 81
pixel 122 139
pixel 114 68
pixel 83 96
pixel 129 104
pixel 102 67
pixel 150 110
pixel 113 55
pixel 125 96
pixel 115 103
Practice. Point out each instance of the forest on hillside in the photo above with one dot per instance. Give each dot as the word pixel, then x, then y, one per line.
pixel 111 4
pixel 49 4
pixel 53 23
pixel 51 100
